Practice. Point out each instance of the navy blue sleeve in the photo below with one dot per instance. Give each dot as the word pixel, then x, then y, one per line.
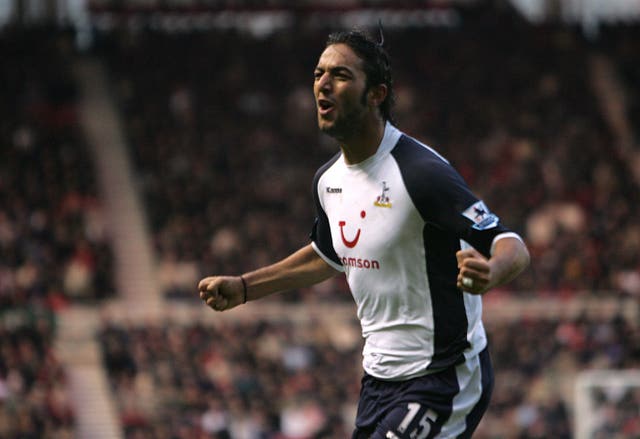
pixel 321 232
pixel 443 198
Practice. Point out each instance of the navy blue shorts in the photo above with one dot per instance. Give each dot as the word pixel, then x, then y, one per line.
pixel 446 404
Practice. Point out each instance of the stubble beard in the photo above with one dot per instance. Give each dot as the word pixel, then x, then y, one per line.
pixel 347 126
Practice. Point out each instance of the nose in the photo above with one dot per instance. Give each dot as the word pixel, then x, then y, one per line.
pixel 324 82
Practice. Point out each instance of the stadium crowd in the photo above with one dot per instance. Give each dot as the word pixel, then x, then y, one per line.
pixel 53 238
pixel 53 245
pixel 34 398
pixel 279 381
pixel 276 380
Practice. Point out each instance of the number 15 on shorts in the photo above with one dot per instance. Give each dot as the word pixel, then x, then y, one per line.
pixel 422 430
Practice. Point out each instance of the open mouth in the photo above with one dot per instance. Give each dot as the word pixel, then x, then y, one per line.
pixel 325 106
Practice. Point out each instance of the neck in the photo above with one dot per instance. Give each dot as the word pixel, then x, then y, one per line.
pixel 364 143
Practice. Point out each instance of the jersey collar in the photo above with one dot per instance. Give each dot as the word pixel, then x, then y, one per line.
pixel 388 142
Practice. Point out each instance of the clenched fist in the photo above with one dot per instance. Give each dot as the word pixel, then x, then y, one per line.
pixel 221 293
pixel 474 271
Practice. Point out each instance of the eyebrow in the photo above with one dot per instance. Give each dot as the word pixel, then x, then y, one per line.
pixel 336 70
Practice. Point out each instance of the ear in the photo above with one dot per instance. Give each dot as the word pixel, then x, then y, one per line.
pixel 376 95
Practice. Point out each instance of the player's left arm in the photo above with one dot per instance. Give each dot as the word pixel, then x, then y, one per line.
pixel 494 255
pixel 478 274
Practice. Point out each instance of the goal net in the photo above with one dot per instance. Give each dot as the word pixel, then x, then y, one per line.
pixel 607 404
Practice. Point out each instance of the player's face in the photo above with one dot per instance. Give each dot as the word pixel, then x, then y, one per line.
pixel 340 91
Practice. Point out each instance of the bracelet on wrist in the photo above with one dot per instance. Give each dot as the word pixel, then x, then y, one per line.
pixel 244 289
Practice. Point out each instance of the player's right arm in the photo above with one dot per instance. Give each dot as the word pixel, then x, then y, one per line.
pixel 302 268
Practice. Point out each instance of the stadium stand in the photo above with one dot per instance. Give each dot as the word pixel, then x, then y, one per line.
pixel 278 380
pixel 55 245
pixel 180 374
pixel 54 248
pixel 34 399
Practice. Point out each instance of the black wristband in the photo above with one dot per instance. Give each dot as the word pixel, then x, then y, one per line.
pixel 244 286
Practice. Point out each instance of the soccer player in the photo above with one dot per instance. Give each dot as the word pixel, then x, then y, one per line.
pixel 417 247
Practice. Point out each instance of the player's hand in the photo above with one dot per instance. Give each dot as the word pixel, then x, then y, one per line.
pixel 221 293
pixel 474 271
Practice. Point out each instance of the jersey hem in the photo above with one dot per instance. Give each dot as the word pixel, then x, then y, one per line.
pixel 502 236
pixel 325 258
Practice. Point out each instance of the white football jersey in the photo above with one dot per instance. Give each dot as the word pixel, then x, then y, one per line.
pixel 393 224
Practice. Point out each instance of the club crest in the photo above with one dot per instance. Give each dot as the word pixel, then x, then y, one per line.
pixel 383 199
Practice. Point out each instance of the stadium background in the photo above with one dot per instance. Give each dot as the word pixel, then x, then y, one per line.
pixel 146 143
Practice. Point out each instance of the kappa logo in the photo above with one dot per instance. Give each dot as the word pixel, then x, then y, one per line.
pixel 383 199
pixel 482 218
